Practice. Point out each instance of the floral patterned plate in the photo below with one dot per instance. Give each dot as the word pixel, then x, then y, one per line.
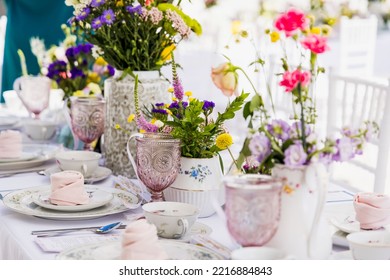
pixel 21 201
pixel 349 224
pixel 111 250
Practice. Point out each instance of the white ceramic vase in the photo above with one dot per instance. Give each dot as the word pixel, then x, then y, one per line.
pixel 303 231
pixel 119 95
pixel 199 182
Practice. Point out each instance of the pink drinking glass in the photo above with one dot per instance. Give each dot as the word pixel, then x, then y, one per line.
pixel 252 208
pixel 87 118
pixel 34 92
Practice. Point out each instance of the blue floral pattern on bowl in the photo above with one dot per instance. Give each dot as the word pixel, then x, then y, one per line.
pixel 198 172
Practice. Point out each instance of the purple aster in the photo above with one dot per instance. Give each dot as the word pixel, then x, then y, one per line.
pixel 295 155
pixel 84 13
pixel 345 149
pixel 208 105
pixel 279 129
pixel 143 124
pixel 174 105
pixel 97 3
pixel 97 23
pixel 111 70
pixel 159 104
pixel 134 10
pixel 159 111
pixel 108 17
pixel 76 72
pixel 86 48
pixel 70 53
pixel 260 146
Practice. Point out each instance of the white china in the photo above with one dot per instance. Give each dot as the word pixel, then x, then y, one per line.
pixel 349 224
pixel 85 162
pixel 111 251
pixel 21 201
pixel 172 219
pixel 7 122
pixel 26 156
pixel 196 229
pixel 259 253
pixel 39 130
pixel 370 245
pixel 99 174
pixel 97 198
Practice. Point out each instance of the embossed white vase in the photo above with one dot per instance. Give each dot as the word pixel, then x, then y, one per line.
pixel 119 95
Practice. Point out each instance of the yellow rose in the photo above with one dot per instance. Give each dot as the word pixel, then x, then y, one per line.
pixel 226 81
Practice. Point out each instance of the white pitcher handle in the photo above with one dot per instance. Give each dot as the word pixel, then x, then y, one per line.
pixel 316 175
pixel 129 152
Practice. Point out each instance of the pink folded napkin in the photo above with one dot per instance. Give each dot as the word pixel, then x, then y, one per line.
pixel 372 210
pixel 140 242
pixel 10 144
pixel 67 188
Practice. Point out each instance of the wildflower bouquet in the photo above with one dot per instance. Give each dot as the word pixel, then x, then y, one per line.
pixel 133 35
pixel 291 142
pixel 77 72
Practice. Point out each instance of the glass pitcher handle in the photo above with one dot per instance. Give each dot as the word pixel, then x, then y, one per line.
pixel 131 158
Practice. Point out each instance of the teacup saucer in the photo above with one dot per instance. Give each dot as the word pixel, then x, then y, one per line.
pixel 349 224
pixel 197 228
pixel 99 174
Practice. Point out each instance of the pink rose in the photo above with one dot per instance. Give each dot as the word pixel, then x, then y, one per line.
pixel 315 43
pixel 290 21
pixel 225 80
pixel 291 79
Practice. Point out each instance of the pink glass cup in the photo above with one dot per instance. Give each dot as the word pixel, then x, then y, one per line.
pixel 252 208
pixel 87 118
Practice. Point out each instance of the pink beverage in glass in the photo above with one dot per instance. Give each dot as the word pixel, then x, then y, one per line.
pixel 252 207
pixel 88 116
pixel 34 92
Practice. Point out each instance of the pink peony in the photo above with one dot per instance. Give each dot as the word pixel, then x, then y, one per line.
pixel 315 43
pixel 224 80
pixel 290 21
pixel 291 79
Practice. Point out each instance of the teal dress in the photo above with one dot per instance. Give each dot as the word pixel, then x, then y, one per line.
pixel 26 19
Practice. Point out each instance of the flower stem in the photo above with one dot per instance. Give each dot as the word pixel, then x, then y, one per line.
pixel 234 160
pixel 303 136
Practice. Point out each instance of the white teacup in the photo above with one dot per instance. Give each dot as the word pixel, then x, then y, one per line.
pixel 172 219
pixel 40 130
pixel 370 245
pixel 259 253
pixel 85 162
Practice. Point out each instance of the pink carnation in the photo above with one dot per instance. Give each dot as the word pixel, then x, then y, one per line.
pixel 291 79
pixel 315 43
pixel 290 21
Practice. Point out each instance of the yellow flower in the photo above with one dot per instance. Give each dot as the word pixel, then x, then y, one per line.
pixel 152 121
pixel 130 118
pixel 170 90
pixel 78 93
pixel 224 141
pixel 311 18
pixel 326 30
pixel 166 54
pixel 315 30
pixel 169 112
pixel 275 36
pixel 167 105
pixel 119 3
pixel 93 77
pixel 142 131
pixel 117 126
pixel 174 99
pixel 188 93
pixel 287 189
pixel 236 27
pixel 100 61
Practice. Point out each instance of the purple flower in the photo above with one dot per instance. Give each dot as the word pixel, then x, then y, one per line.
pixel 345 149
pixel 279 129
pixel 97 3
pixel 76 72
pixel 133 10
pixel 260 146
pixel 97 23
pixel 178 89
pixel 295 130
pixel 159 104
pixel 295 155
pixel 84 13
pixel 70 53
pixel 108 17
pixel 56 68
pixel 185 104
pixel 143 124
pixel 208 105
pixel 174 105
pixel 111 70
pixel 86 48
pixel 159 111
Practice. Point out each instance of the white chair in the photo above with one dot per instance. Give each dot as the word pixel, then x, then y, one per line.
pixel 357 45
pixel 352 101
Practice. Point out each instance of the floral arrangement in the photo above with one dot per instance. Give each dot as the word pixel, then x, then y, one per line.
pixel 189 119
pixel 291 142
pixel 133 35
pixel 78 72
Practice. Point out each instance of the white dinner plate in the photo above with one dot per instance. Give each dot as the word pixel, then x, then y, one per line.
pixel 349 224
pixel 99 174
pixel 21 201
pixel 44 153
pixel 111 250
pixel 97 198
pixel 26 156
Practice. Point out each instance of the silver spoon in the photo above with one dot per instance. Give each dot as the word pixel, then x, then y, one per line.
pixel 99 230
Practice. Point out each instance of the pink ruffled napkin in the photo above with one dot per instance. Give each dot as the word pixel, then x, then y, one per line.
pixel 140 242
pixel 10 144
pixel 372 210
pixel 67 188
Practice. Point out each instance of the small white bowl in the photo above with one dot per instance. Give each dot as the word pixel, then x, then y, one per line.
pixel 40 130
pixel 370 245
pixel 203 199
pixel 85 162
pixel 172 219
